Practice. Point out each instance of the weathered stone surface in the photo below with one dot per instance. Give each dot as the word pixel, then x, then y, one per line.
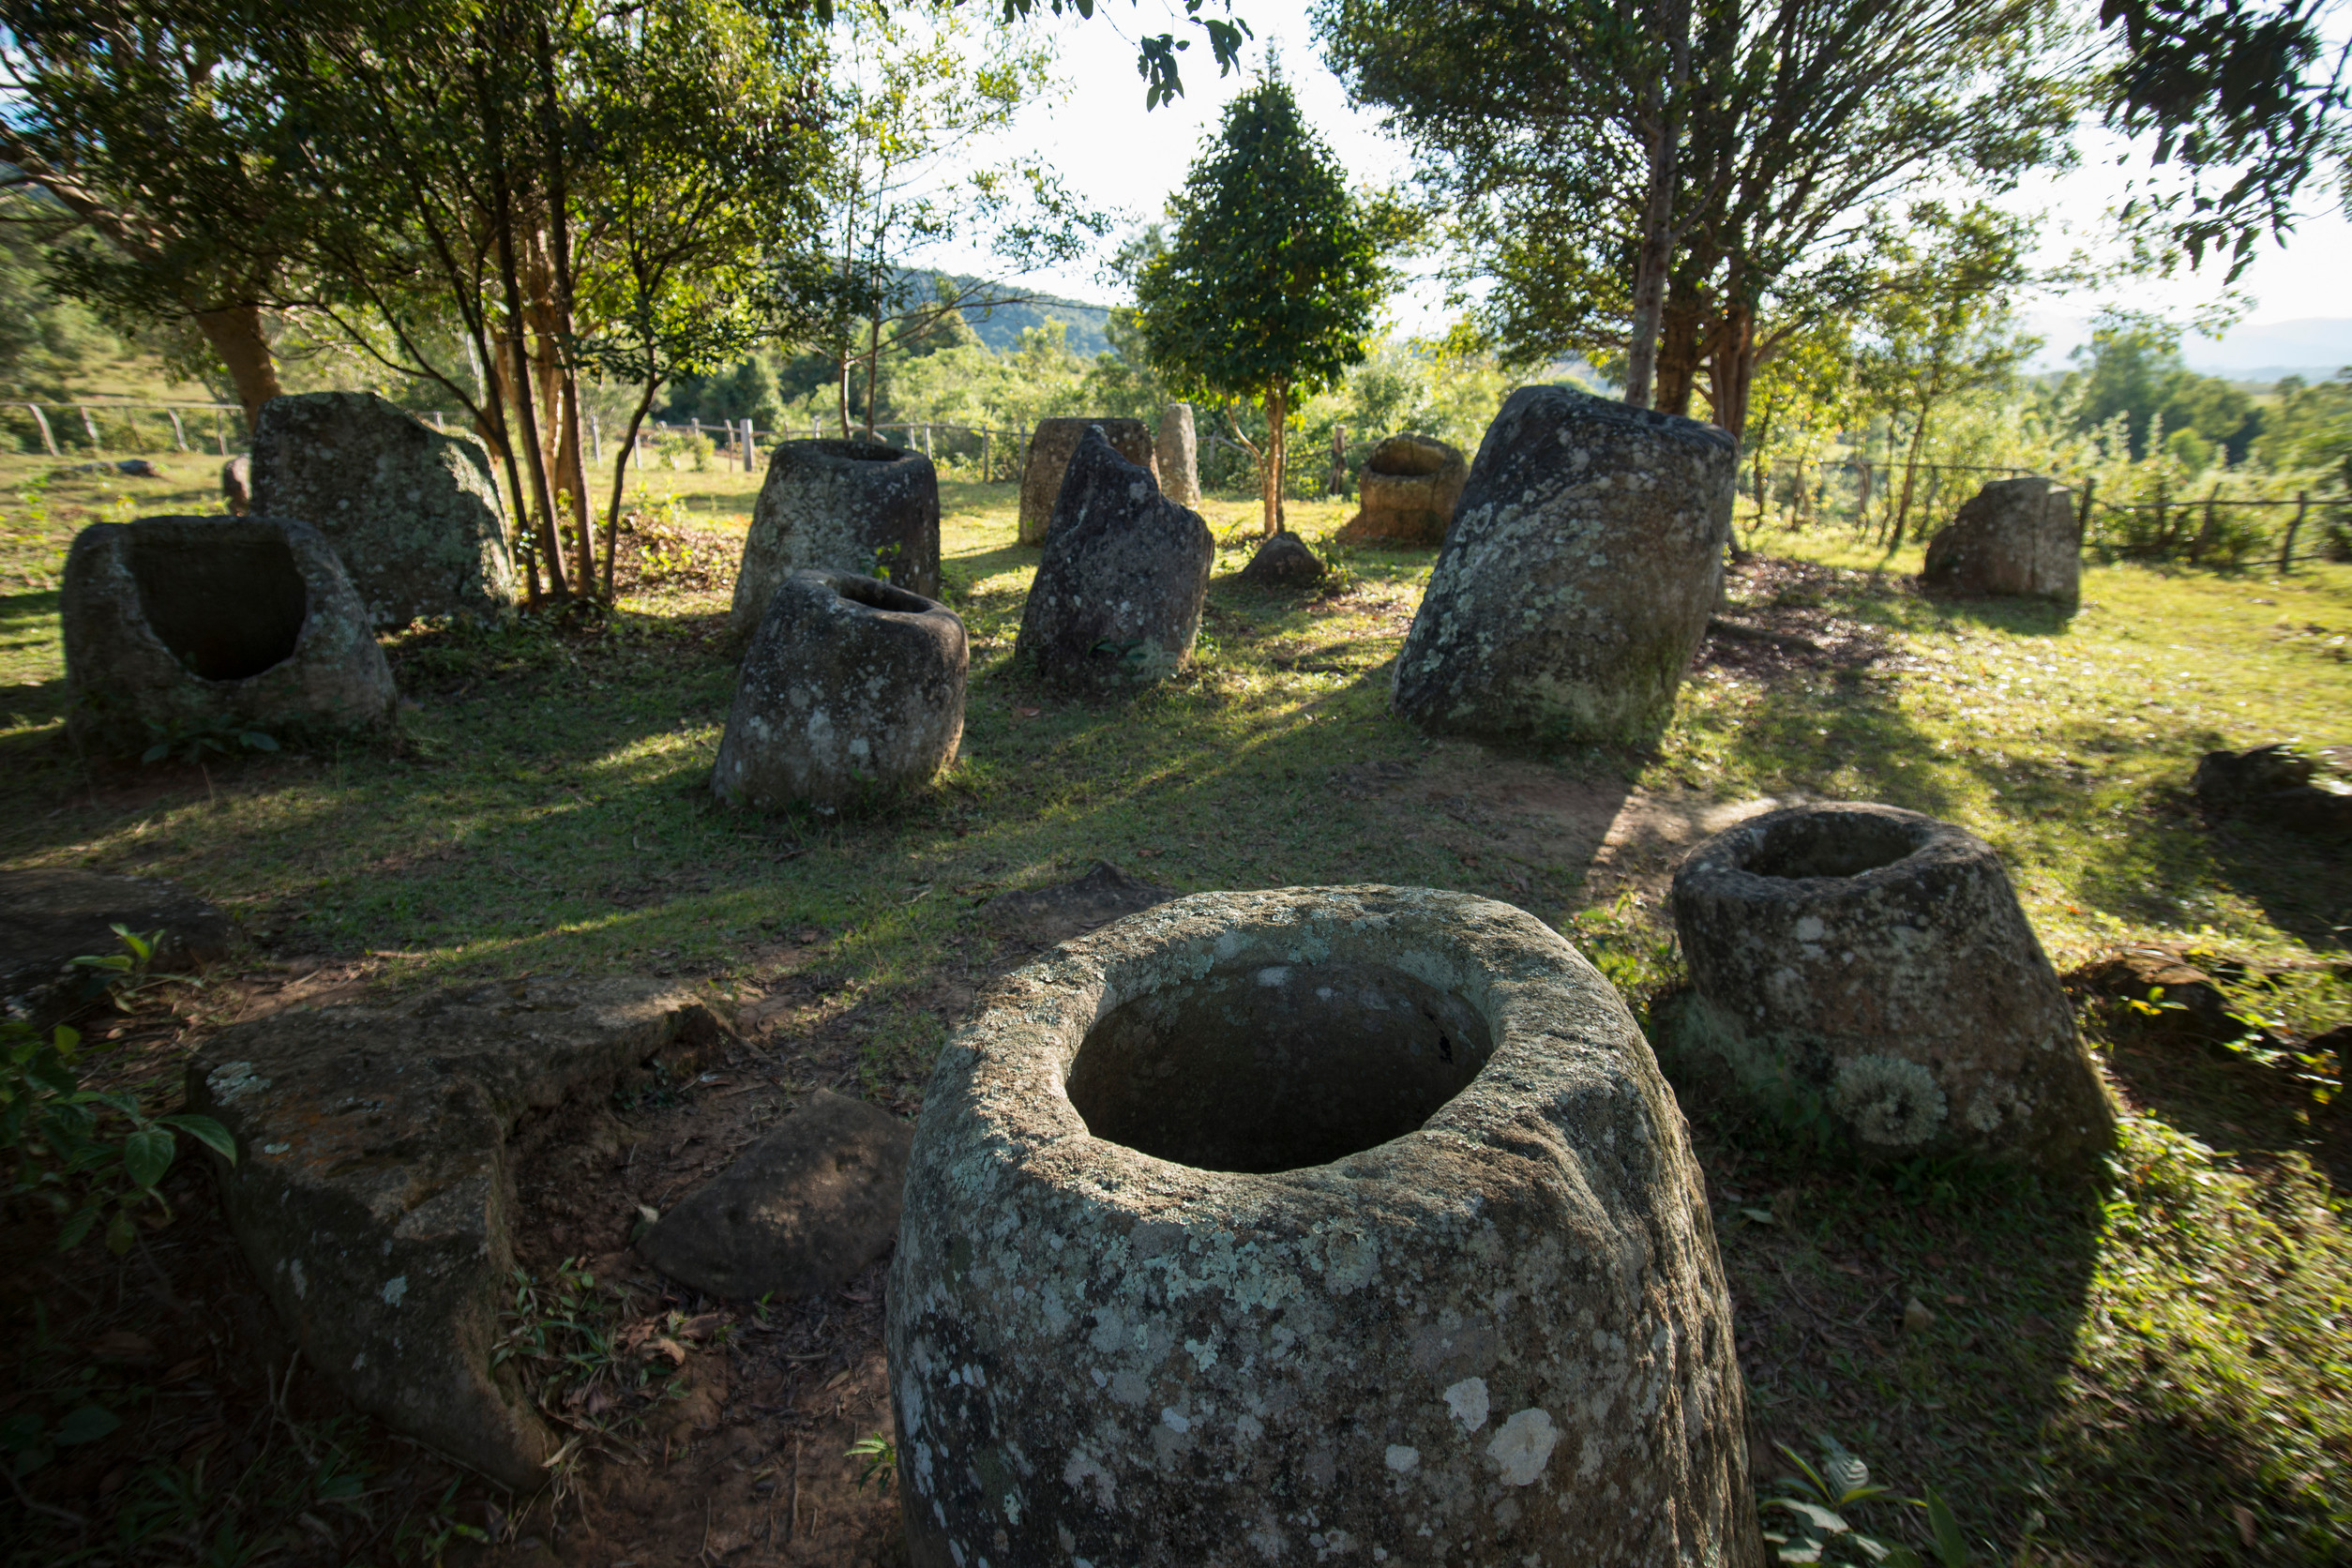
pixel 1046 915
pixel 1584 559
pixel 49 917
pixel 1364 1220
pixel 1177 451
pixel 2277 785
pixel 374 1183
pixel 138 468
pixel 1051 446
pixel 852 688
pixel 1282 562
pixel 2014 536
pixel 236 485
pixel 1409 489
pixel 857 507
pixel 179 625
pixel 2188 1002
pixel 414 514
pixel 801 1211
pixel 1118 596
pixel 1878 959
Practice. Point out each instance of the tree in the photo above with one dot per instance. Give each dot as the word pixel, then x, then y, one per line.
pixel 1269 286
pixel 2132 369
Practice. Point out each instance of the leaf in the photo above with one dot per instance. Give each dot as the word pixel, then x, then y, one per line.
pixel 87 1424
pixel 120 1233
pixel 207 1131
pixel 1844 1471
pixel 70 1234
pixel 147 1153
pixel 1951 1545
pixel 255 741
pixel 157 752
pixel 1820 1519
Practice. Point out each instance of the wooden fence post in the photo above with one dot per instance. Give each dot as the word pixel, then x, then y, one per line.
pixel 988 472
pixel 2205 532
pixel 179 434
pixel 89 427
pixel 219 434
pixel 41 419
pixel 2082 516
pixel 1862 505
pixel 2163 521
pixel 2286 550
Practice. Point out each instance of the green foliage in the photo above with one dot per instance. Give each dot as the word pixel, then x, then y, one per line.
pixel 188 743
pixel 1812 1527
pixel 2131 367
pixel 881 1455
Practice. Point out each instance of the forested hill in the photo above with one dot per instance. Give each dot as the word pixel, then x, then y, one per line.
pixel 1001 327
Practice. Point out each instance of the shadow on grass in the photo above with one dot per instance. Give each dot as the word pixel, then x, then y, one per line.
pixel 2019 617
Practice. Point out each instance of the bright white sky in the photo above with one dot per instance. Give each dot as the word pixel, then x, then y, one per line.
pixel 1114 153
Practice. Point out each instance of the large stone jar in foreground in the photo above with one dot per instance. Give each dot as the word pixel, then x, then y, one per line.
pixel 1053 443
pixel 179 626
pixel 414 514
pixel 858 506
pixel 1585 556
pixel 1408 491
pixel 852 688
pixel 2014 536
pixel 1875 962
pixel 1314 1225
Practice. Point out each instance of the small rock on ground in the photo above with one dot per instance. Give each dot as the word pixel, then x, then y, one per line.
pixel 1046 915
pixel 1282 562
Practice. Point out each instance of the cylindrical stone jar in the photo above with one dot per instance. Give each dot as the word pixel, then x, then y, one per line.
pixel 1409 489
pixel 1875 962
pixel 852 688
pixel 1318 1225
pixel 1575 584
pixel 858 506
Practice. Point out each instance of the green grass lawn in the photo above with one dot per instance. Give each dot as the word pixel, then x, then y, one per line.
pixel 2155 1372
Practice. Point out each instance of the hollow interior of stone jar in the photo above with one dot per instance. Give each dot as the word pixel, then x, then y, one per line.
pixel 229 602
pixel 877 595
pixel 1832 844
pixel 1408 461
pixel 1276 1067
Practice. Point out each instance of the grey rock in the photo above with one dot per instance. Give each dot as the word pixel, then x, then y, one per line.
pixel 374 1180
pixel 1118 596
pixel 1177 453
pixel 181 625
pixel 138 468
pixel 2014 536
pixel 1046 915
pixel 2274 784
pixel 236 485
pixel 1365 1219
pixel 1585 556
pixel 1282 562
pixel 801 1211
pixel 864 508
pixel 49 917
pixel 852 688
pixel 414 514
pixel 1877 959
pixel 1051 446
pixel 1408 491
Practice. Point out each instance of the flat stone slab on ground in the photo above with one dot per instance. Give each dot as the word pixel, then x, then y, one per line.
pixel 374 1180
pixel 1046 915
pixel 806 1207
pixel 49 918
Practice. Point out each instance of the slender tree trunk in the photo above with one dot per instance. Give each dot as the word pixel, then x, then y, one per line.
pixel 1911 473
pixel 873 373
pixel 1731 366
pixel 1678 351
pixel 501 200
pixel 235 335
pixel 1652 262
pixel 571 456
pixel 1277 447
pixel 842 361
pixel 620 482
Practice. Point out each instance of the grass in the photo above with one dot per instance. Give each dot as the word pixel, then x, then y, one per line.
pixel 2151 1373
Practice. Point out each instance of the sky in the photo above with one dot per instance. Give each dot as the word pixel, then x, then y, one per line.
pixel 1113 151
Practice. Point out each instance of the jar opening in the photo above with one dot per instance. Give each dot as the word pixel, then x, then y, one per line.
pixel 228 601
pixel 1832 844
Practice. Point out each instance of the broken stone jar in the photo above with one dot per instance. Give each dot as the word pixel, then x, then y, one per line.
pixel 1409 487
pixel 177 628
pixel 851 688
pixel 1306 1225
pixel 864 508
pixel 1874 963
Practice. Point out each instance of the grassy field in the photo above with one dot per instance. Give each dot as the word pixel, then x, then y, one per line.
pixel 2156 1372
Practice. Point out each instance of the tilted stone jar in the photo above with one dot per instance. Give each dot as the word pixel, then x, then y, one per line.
pixel 1313 1225
pixel 864 508
pixel 1877 961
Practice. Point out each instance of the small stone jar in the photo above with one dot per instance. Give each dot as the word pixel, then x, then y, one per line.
pixel 181 626
pixel 864 508
pixel 1316 1225
pixel 851 688
pixel 1875 962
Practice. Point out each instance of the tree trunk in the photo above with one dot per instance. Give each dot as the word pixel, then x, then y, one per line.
pixel 843 361
pixel 235 335
pixel 518 357
pixel 873 373
pixel 1651 263
pixel 1910 474
pixel 570 459
pixel 1731 366
pixel 620 482
pixel 1277 419
pixel 1678 351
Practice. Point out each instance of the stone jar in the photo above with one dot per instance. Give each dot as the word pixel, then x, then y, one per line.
pixel 864 508
pixel 1177 451
pixel 1312 1225
pixel 1051 448
pixel 183 626
pixel 852 688
pixel 2014 536
pixel 1584 557
pixel 414 514
pixel 1117 600
pixel 1876 960
pixel 1408 493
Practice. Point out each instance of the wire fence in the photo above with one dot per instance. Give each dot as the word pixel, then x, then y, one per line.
pixel 64 430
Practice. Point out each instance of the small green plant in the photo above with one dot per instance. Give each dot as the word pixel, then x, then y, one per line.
pixel 190 742
pixel 1813 1529
pixel 89 1155
pixel 882 1459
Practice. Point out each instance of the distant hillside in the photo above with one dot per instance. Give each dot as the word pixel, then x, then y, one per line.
pixel 1001 327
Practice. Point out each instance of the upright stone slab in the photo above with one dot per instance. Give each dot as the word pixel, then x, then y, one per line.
pixel 180 626
pixel 414 514
pixel 1178 449
pixel 1118 596
pixel 1348 1224
pixel 2014 536
pixel 852 688
pixel 236 485
pixel 1875 962
pixel 1051 448
pixel 1576 584
pixel 864 508
pixel 1411 487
